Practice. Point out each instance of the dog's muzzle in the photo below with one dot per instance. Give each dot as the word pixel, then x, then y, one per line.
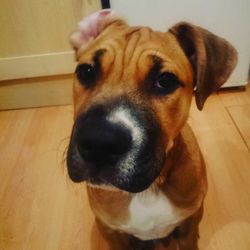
pixel 116 144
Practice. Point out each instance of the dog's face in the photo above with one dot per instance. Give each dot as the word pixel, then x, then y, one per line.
pixel 132 93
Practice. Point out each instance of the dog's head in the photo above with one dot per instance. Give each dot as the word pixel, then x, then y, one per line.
pixel 132 92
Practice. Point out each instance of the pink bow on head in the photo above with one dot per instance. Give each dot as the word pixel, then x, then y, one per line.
pixel 90 27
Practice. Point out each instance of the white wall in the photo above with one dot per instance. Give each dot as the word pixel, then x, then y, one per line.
pixel 227 18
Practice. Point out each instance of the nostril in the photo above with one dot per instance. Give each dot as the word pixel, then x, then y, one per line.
pixel 84 152
pixel 86 148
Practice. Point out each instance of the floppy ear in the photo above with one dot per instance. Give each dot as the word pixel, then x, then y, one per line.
pixel 212 58
pixel 90 27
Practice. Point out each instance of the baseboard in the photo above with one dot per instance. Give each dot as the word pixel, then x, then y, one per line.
pixel 36 92
pixel 37 65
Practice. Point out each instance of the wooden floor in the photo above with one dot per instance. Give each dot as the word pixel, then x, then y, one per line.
pixel 40 209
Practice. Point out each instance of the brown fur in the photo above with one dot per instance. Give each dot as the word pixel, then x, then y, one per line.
pixel 109 203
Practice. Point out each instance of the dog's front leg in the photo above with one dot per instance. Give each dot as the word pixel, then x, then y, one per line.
pixel 187 234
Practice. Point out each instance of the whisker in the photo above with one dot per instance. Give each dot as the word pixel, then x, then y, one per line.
pixel 62 151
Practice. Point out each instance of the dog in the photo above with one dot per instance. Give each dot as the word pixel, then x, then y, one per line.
pixel 146 178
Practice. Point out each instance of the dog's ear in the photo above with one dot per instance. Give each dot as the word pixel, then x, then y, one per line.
pixel 212 58
pixel 90 27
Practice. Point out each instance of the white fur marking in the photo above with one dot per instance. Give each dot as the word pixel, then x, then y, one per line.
pixel 153 215
pixel 123 116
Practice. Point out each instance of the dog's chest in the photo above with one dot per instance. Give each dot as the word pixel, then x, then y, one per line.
pixel 153 215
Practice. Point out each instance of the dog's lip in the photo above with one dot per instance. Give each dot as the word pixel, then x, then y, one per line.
pixel 101 183
pixel 80 171
pixel 97 180
pixel 75 177
pixel 100 178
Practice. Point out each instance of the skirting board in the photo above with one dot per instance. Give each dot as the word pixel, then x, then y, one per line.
pixel 36 92
pixel 37 65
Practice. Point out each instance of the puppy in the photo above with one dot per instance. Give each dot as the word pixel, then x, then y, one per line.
pixel 146 178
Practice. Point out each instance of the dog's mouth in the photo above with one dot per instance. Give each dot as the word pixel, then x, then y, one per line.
pixel 145 169
pixel 116 145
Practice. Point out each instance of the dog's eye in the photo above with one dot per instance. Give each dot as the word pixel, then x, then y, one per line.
pixel 86 74
pixel 166 83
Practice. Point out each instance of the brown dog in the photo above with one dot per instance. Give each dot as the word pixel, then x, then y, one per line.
pixel 145 174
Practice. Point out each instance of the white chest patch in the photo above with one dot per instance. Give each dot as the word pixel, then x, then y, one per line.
pixel 152 216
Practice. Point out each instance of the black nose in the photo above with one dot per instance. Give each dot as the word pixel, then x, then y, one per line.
pixel 101 142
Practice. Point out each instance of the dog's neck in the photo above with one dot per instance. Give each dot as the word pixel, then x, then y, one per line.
pixel 180 177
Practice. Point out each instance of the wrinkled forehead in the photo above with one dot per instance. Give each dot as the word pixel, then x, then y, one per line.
pixel 131 48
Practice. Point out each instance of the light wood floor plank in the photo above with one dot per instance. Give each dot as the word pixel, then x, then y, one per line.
pixel 241 117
